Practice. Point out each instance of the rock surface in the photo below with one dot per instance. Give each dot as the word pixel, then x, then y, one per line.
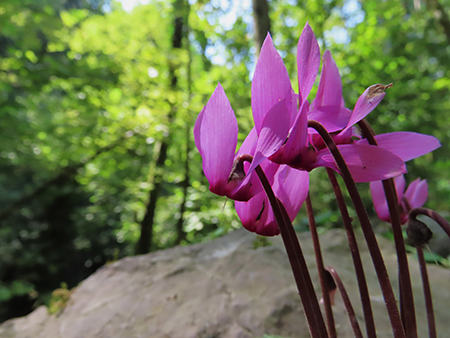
pixel 224 289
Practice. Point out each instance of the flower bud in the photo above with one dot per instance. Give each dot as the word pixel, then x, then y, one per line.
pixel 418 233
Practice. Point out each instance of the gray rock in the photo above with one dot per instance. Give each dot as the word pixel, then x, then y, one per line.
pixel 224 289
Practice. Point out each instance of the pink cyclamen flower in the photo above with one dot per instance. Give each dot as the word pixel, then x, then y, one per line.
pixel 415 196
pixel 270 85
pixel 290 186
pixel 304 149
pixel 216 133
pixel 328 108
pixel 366 163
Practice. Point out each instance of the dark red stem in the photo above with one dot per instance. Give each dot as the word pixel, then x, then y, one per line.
pixel 406 293
pixel 427 293
pixel 321 269
pixel 433 215
pixel 297 260
pixel 357 262
pixel 347 303
pixel 425 283
pixel 372 244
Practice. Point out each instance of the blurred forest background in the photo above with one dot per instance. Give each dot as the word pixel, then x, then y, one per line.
pixel 97 106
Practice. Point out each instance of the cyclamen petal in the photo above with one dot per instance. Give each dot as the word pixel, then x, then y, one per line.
pixel 417 193
pixel 290 186
pixel 197 130
pixel 273 133
pixel 329 92
pixel 249 144
pixel 379 197
pixel 379 201
pixel 399 183
pixel 367 102
pixel 251 185
pixel 406 145
pixel 308 61
pixel 333 118
pixel 270 82
pixel 216 133
pixel 295 102
pixel 297 141
pixel 274 130
pixel 414 197
pixel 366 163
pixel 253 215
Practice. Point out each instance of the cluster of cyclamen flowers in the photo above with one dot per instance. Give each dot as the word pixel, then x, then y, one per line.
pixel 286 149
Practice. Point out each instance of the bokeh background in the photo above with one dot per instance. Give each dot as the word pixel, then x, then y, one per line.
pixel 98 100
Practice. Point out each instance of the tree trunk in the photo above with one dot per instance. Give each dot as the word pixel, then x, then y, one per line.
pixel 181 235
pixel 261 21
pixel 146 238
pixel 144 244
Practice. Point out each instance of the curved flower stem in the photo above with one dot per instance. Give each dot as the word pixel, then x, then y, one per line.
pixel 357 262
pixel 433 215
pixel 427 293
pixel 425 283
pixel 298 264
pixel 321 269
pixel 406 293
pixel 347 303
pixel 372 244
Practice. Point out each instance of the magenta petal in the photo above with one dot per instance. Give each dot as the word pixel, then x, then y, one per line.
pixel 379 201
pixel 399 183
pixel 270 83
pixel 197 128
pixel 291 187
pixel 407 145
pixel 251 184
pixel 217 138
pixel 367 102
pixel 297 141
pixel 379 198
pixel 308 61
pixel 249 144
pixel 298 138
pixel 333 118
pixel 254 215
pixel 346 135
pixel 329 92
pixel 246 189
pixel 417 193
pixel 274 130
pixel 366 163
pixel 294 106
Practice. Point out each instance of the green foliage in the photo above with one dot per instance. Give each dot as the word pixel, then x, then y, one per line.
pixel 16 288
pixel 260 242
pixel 59 299
pixel 433 258
pixel 430 257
